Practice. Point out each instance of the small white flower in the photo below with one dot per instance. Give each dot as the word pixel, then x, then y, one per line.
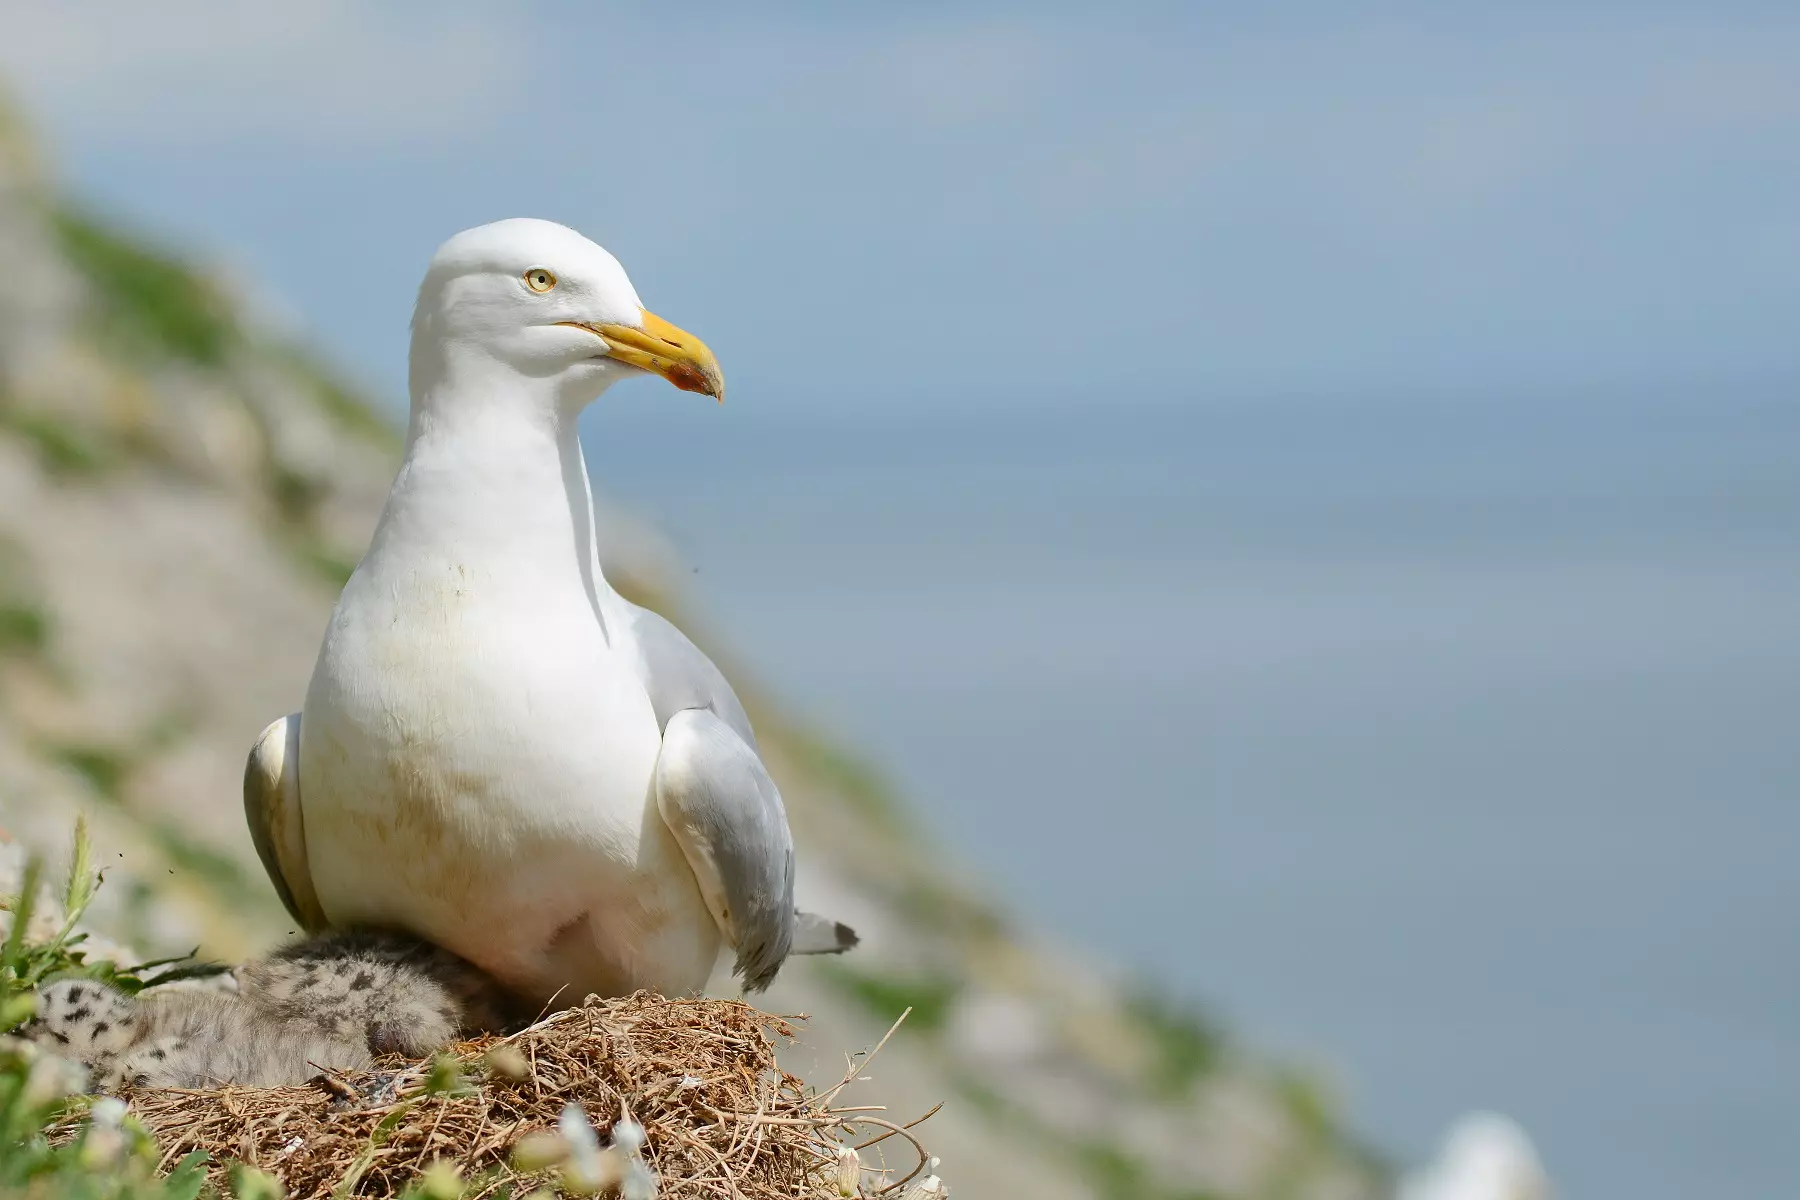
pixel 590 1169
pixel 102 1147
pixel 928 1188
pixel 573 1124
pixel 507 1063
pixel 640 1183
pixel 51 1078
pixel 20 1049
pixel 628 1136
pixel 536 1151
pixel 104 1141
pixel 849 1171
pixel 108 1112
pixel 441 1181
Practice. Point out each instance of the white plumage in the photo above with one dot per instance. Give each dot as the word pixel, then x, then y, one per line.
pixel 497 751
pixel 1485 1156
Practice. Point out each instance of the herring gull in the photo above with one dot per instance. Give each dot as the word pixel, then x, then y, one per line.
pixel 497 751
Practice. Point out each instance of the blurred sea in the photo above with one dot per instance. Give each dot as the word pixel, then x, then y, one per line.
pixel 1453 742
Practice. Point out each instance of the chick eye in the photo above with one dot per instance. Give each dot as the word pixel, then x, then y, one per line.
pixel 539 280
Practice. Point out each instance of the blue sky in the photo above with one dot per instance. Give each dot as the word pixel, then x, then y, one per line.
pixel 992 205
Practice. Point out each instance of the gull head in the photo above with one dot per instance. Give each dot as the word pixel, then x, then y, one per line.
pixel 538 301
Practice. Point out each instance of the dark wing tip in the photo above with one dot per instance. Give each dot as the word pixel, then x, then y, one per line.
pixel 814 934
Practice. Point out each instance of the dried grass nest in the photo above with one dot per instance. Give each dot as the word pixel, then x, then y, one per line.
pixel 721 1119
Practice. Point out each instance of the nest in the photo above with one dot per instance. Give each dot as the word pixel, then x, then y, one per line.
pixel 721 1119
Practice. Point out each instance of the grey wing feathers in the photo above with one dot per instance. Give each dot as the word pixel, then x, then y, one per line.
pixel 724 810
pixel 678 676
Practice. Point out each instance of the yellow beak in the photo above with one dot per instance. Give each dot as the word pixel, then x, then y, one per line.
pixel 675 354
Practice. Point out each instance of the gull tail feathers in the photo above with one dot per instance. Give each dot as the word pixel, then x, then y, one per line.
pixel 814 934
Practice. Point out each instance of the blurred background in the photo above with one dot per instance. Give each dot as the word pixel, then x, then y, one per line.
pixel 1305 502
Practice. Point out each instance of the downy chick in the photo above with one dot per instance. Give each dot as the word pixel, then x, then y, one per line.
pixel 331 1001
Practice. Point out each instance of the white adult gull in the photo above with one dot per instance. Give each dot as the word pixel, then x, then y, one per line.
pixel 497 751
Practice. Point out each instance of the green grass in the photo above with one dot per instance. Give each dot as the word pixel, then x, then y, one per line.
pixel 887 996
pixel 1117 1175
pixel 993 1105
pixel 56 1144
pixel 935 906
pixel 64 447
pixel 145 301
pixel 220 873
pixel 110 1156
pixel 102 767
pixel 295 496
pixel 25 626
pixel 24 629
pixel 854 780
pixel 350 411
pixel 1309 1106
pixel 107 770
pixel 1186 1046
pixel 321 562
pixel 1114 1174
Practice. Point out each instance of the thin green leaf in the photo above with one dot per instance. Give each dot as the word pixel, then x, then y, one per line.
pixel 82 882
pixel 199 970
pixel 12 953
pixel 140 968
pixel 188 1178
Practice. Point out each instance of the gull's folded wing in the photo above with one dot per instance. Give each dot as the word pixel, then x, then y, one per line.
pixel 723 809
pixel 681 679
pixel 272 807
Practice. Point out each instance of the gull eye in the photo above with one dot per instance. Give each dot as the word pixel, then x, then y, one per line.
pixel 539 280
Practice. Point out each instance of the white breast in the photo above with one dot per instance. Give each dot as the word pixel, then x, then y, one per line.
pixel 476 763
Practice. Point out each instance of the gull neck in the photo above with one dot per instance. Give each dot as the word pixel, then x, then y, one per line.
pixel 495 480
